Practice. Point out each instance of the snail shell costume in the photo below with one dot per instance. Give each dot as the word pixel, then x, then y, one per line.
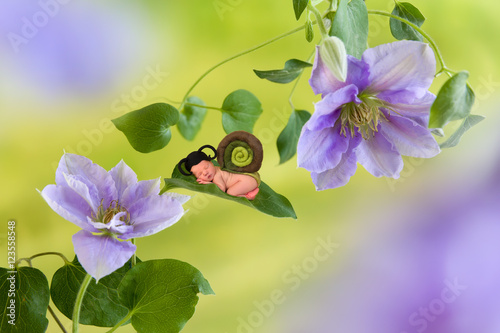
pixel 238 152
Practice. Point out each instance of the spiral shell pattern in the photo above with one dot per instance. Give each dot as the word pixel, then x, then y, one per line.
pixel 240 151
pixel 241 154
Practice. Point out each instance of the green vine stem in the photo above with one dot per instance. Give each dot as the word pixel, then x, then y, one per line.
pixel 63 257
pixel 319 19
pixel 334 5
pixel 203 106
pixel 293 91
pixel 56 319
pixel 297 82
pixel 123 321
pixel 28 260
pixel 423 33
pixel 286 34
pixel 79 300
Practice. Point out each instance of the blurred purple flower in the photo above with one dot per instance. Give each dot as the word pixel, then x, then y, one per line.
pixel 110 207
pixel 378 114
pixel 76 49
pixel 432 270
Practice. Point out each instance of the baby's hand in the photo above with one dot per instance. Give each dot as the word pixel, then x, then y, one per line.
pixel 201 181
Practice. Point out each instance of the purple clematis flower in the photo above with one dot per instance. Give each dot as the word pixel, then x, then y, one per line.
pixel 110 207
pixel 379 113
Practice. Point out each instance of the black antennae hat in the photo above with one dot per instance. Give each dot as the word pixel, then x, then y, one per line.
pixel 194 158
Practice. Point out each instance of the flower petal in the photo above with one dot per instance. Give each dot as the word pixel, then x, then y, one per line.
pixel 327 110
pixel 379 157
pixel 140 190
pixel 357 72
pixel 404 103
pixel 101 255
pixel 179 197
pixel 114 226
pixel 152 214
pixel 88 193
pixel 89 173
pixel 123 176
pixel 322 81
pixel 341 173
pixel 69 205
pixel 321 150
pixel 400 65
pixel 410 138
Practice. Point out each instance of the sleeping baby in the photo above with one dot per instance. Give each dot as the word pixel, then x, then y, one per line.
pixel 199 164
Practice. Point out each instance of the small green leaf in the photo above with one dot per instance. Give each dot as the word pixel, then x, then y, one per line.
pixel 467 124
pixel 191 118
pixel 289 137
pixel 410 13
pixel 24 301
pixel 240 111
pixel 454 101
pixel 267 201
pixel 162 294
pixel 290 72
pixel 101 304
pixel 148 129
pixel 438 132
pixel 351 26
pixel 299 6
pixel 309 31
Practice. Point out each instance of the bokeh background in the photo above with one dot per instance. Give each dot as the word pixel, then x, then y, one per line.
pixel 395 245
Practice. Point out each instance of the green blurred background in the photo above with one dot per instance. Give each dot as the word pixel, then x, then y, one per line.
pixel 92 62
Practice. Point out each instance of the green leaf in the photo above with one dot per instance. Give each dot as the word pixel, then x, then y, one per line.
pixel 410 13
pixel 351 26
pixel 101 304
pixel 299 6
pixel 467 124
pixel 240 111
pixel 24 300
pixel 267 201
pixel 309 31
pixel 454 101
pixel 148 129
pixel 162 294
pixel 290 72
pixel 191 118
pixel 289 137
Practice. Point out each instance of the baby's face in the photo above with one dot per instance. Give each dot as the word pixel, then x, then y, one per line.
pixel 204 170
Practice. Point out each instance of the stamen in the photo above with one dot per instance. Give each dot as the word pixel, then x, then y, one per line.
pixel 364 116
pixel 105 216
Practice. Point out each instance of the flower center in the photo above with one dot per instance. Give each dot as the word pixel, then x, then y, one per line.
pixel 106 215
pixel 364 116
